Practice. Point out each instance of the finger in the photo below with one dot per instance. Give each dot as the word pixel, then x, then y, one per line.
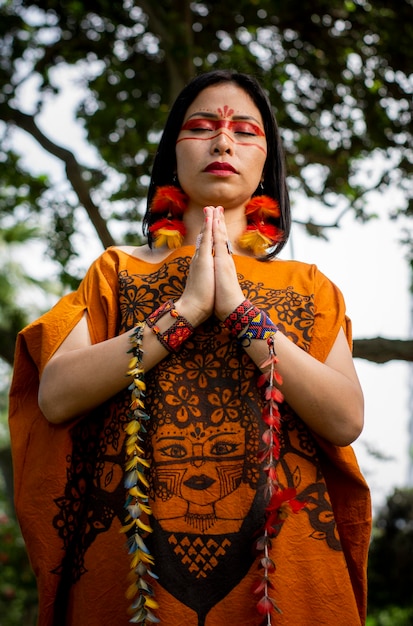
pixel 220 234
pixel 203 242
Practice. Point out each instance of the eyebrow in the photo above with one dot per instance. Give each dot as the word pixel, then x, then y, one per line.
pixel 215 116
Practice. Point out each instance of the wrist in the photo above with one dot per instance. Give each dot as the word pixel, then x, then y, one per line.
pixel 248 322
pixel 192 313
pixel 222 313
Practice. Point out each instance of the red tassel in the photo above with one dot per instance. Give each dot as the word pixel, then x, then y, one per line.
pixel 169 202
pixel 262 206
pixel 169 199
pixel 261 234
pixel 168 232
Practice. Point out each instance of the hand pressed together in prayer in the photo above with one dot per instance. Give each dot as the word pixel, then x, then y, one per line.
pixel 212 285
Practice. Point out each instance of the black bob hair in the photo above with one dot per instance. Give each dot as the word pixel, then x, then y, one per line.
pixel 274 181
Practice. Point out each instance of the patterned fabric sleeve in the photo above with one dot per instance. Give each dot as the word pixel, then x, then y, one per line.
pixel 347 488
pixel 39 448
pixel 330 316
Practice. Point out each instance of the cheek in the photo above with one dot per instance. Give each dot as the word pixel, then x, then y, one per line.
pixel 262 161
pixel 185 170
pixel 181 166
pixel 185 155
pixel 256 165
pixel 260 156
pixel 180 160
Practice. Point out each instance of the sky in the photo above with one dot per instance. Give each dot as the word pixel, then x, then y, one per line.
pixel 368 264
pixel 366 261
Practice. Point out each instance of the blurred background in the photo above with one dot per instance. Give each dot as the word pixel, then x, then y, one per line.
pixel 85 88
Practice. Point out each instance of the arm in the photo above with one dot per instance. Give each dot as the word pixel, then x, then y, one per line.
pixel 327 396
pixel 80 376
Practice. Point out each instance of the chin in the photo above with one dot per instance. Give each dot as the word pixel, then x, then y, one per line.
pixel 223 198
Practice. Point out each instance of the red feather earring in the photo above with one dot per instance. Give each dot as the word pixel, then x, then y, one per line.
pixel 261 234
pixel 169 230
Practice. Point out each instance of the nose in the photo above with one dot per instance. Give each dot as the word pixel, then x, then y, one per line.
pixel 198 454
pixel 222 143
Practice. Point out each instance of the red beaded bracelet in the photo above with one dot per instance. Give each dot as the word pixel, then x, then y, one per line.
pixel 155 316
pixel 240 318
pixel 172 338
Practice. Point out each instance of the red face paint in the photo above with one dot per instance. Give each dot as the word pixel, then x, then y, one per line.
pixel 226 112
pixel 242 127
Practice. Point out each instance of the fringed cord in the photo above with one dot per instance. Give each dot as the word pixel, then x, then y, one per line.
pixel 140 592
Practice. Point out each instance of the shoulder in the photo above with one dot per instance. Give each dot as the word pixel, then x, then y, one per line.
pixel 308 272
pixel 291 272
pixel 116 258
pixel 143 253
pixel 303 278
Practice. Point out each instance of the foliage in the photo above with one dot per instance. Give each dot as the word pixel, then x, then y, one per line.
pixel 338 74
pixel 391 557
pixel 391 616
pixel 14 281
pixel 18 594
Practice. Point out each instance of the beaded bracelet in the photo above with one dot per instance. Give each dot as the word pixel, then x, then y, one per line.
pixel 172 338
pixel 260 327
pixel 241 317
pixel 155 316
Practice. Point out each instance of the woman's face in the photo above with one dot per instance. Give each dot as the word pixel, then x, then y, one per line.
pixel 221 148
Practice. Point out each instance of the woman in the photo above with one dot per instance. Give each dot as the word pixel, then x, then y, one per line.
pixel 211 385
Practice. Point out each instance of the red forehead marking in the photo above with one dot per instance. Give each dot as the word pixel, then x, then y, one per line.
pixel 227 112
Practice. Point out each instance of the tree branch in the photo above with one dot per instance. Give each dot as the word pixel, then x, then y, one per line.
pixel 180 66
pixel 381 350
pixel 73 169
pixel 376 349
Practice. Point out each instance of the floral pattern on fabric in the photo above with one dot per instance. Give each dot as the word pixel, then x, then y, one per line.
pixel 205 482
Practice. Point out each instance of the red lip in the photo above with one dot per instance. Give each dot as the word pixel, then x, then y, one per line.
pixel 218 166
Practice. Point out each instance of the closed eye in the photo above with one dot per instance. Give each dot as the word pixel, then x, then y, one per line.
pixel 246 128
pixel 198 125
pixel 238 127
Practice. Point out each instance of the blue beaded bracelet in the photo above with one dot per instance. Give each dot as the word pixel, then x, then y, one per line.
pixel 260 327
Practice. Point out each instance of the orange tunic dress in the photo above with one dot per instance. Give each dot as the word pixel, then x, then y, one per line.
pixel 205 480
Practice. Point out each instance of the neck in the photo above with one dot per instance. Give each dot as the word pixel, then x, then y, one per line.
pixel 235 221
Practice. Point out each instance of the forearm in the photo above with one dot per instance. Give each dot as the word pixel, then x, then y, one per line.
pixel 327 400
pixel 79 380
pixel 82 376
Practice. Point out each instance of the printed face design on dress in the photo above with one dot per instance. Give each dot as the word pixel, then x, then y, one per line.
pixel 199 464
pixel 239 129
